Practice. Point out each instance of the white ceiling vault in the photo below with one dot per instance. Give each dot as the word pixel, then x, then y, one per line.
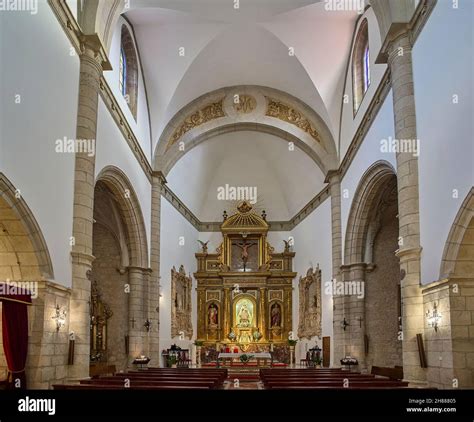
pixel 225 47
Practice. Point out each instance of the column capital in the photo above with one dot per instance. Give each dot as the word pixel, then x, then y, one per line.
pixel 407 254
pixel 91 47
pixel 333 176
pixel 82 258
pixel 132 268
pixel 160 176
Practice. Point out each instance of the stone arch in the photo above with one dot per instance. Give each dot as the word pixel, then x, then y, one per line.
pixel 459 228
pixel 393 15
pixel 100 17
pixel 119 184
pixel 23 232
pixel 239 108
pixel 374 182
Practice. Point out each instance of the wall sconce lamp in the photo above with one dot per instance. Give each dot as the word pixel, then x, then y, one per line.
pixel 344 324
pixel 434 317
pixel 147 325
pixel 59 317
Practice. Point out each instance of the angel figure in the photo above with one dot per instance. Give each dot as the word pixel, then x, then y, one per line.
pixel 203 245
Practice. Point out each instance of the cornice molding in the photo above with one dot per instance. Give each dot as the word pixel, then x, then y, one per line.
pixel 215 226
pixel 75 35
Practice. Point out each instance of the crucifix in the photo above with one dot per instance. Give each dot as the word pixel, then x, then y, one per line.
pixel 245 254
pixel 133 322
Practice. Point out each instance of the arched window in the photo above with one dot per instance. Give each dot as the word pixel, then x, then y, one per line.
pixel 360 65
pixel 128 71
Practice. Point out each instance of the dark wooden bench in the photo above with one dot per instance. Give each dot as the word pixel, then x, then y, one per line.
pixel 395 373
pixel 155 379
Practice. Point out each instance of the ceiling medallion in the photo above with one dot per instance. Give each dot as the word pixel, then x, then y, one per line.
pixel 244 104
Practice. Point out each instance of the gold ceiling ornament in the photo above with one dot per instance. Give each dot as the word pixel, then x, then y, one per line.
pixel 245 220
pixel 244 104
pixel 310 304
pixel 207 113
pixel 290 115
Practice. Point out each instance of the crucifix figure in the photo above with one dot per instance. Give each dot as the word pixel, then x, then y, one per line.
pixel 245 254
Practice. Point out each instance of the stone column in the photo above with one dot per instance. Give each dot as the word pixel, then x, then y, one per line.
pixel 136 311
pixel 158 180
pixel 92 63
pixel 333 178
pixel 400 61
pixel 356 316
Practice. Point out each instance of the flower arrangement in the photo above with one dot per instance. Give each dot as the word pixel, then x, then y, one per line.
pixel 245 358
pixel 292 342
pixel 198 343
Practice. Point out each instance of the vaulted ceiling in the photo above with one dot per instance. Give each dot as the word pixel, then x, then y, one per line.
pixel 295 46
pixel 251 45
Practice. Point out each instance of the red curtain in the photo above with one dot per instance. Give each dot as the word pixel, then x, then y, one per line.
pixel 15 335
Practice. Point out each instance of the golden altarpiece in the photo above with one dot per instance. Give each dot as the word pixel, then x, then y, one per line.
pixel 244 290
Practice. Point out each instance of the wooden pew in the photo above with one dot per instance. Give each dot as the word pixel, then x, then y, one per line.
pixel 395 373
pixel 155 379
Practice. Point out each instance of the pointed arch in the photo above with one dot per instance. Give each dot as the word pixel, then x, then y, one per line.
pixel 374 183
pixel 119 184
pixel 460 226
pixel 23 218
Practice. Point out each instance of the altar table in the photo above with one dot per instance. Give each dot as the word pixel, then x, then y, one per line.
pixel 259 356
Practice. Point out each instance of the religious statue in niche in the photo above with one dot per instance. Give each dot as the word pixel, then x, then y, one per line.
pixel 244 312
pixel 213 315
pixel 181 306
pixel 100 313
pixel 275 315
pixel 310 304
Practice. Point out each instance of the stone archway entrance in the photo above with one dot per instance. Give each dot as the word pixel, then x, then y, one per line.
pixel 382 289
pixel 367 319
pixel 120 274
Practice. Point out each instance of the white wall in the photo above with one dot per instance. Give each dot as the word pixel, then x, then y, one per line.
pixel 442 64
pixel 140 127
pixel 369 152
pixel 349 122
pixel 312 244
pixel 37 47
pixel 113 150
pixel 174 229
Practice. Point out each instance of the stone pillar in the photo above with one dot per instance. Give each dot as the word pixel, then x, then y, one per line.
pixel 400 61
pixel 92 63
pixel 333 178
pixel 136 311
pixel 158 180
pixel 356 316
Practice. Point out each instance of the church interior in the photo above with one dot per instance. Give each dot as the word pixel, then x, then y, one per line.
pixel 225 194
